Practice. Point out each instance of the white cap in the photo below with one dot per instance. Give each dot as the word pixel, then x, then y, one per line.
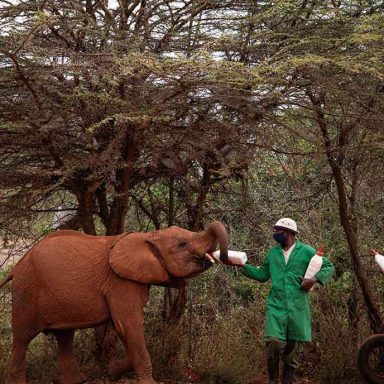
pixel 286 223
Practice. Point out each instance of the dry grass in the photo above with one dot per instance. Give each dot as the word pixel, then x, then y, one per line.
pixel 220 341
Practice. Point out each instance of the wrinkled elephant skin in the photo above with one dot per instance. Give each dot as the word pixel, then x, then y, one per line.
pixel 69 280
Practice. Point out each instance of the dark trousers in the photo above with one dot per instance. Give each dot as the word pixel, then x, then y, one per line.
pixel 289 348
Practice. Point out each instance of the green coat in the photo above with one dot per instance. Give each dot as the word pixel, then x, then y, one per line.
pixel 288 314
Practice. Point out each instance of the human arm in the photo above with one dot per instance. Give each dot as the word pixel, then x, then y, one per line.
pixel 260 273
pixel 326 272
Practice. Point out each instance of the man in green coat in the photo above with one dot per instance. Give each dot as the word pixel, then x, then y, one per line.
pixel 288 318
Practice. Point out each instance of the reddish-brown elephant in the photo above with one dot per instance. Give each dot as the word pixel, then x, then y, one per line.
pixel 69 280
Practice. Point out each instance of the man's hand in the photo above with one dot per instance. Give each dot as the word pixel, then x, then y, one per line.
pixel 373 252
pixel 307 284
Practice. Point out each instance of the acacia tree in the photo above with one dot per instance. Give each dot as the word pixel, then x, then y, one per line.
pixel 94 104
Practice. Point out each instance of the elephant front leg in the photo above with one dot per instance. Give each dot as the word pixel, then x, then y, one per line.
pixel 129 324
pixel 138 357
pixel 118 368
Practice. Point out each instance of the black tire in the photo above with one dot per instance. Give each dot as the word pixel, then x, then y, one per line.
pixel 370 359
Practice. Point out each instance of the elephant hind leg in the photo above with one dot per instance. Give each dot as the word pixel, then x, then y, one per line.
pixel 69 372
pixel 16 372
pixel 24 329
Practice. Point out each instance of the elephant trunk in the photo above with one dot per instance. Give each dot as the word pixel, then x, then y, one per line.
pixel 217 229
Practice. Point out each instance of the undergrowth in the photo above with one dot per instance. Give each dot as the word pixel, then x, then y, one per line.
pixel 218 340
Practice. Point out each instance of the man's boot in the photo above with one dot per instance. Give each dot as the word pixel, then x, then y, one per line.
pixel 273 370
pixel 288 373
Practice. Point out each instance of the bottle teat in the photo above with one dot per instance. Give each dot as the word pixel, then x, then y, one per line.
pixel 320 251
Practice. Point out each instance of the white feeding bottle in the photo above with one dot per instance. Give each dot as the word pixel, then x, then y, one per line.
pixel 315 264
pixel 379 259
pixel 234 257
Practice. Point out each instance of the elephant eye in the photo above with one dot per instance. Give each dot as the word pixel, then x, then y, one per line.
pixel 182 244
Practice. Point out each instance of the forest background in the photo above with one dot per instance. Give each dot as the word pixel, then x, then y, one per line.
pixel 137 115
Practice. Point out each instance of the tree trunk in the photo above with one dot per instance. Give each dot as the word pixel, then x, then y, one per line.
pixel 348 225
pixel 346 213
pixel 124 182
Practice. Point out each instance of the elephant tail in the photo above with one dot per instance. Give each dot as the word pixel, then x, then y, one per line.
pixel 7 278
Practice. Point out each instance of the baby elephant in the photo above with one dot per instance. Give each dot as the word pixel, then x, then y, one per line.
pixel 69 280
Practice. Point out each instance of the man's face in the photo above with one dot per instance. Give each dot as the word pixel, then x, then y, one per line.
pixel 280 235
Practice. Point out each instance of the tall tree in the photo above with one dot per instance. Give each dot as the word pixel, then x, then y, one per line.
pixel 99 99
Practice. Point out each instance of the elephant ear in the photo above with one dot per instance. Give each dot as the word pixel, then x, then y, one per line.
pixel 135 258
